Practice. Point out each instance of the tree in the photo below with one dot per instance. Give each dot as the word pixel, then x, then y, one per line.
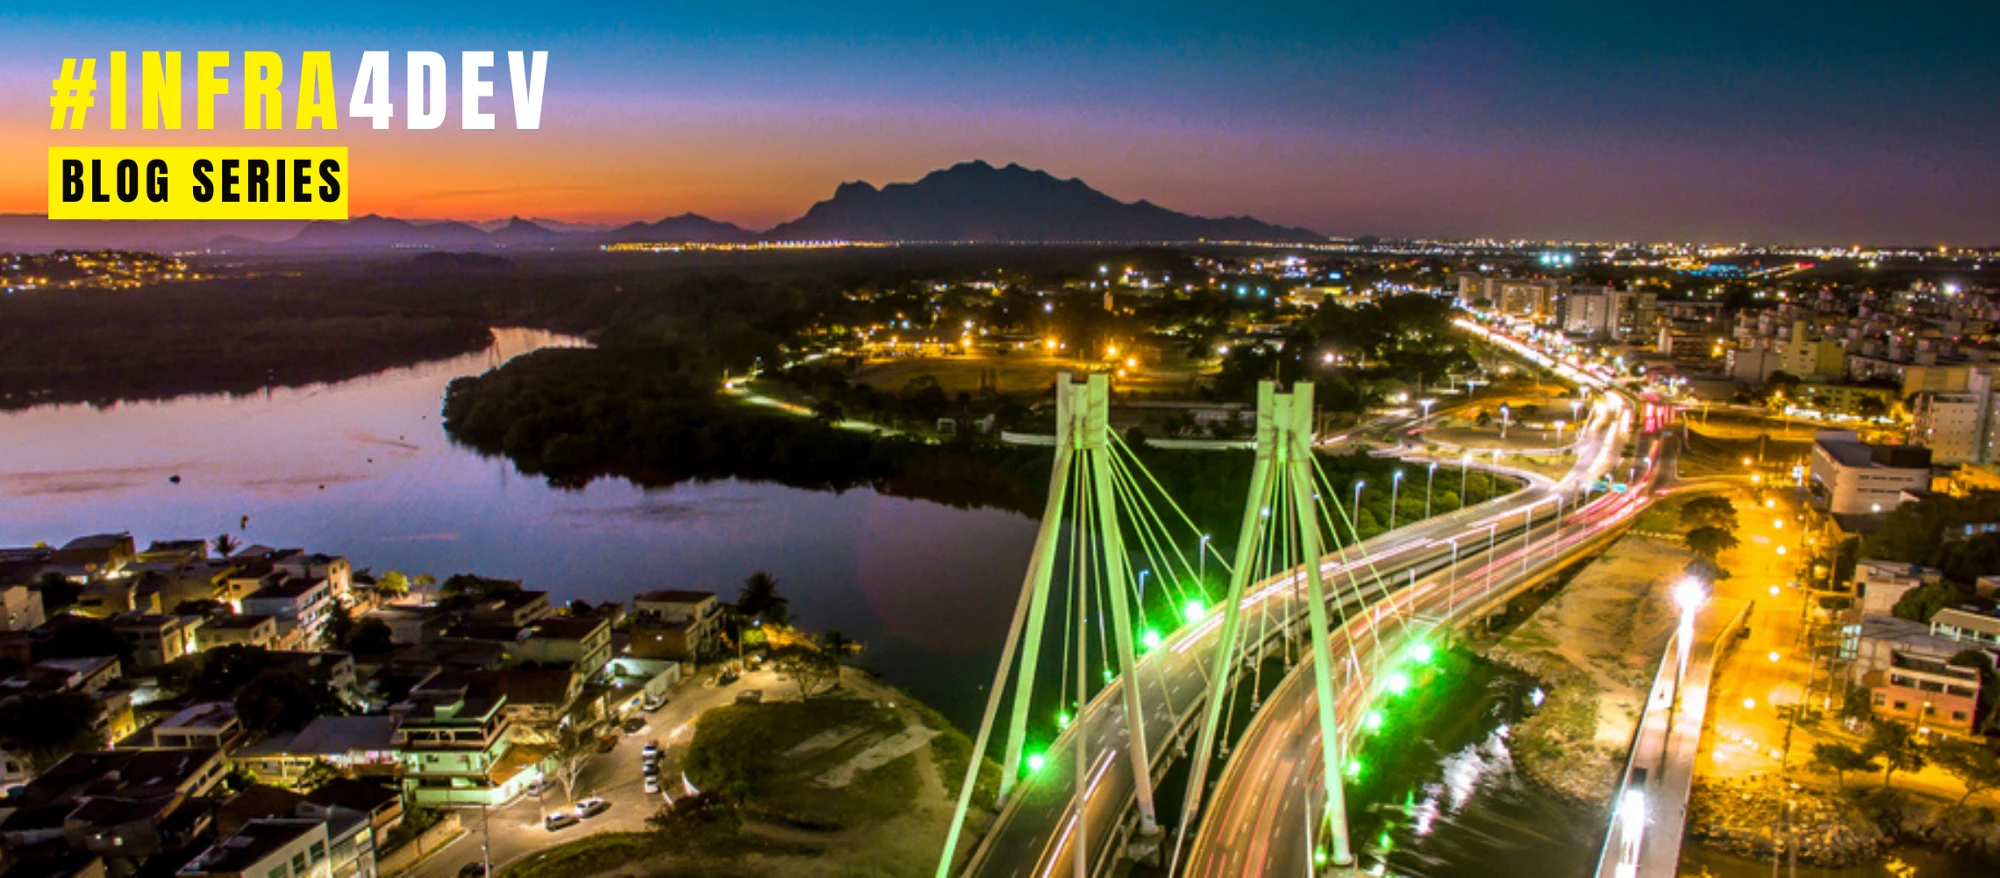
pixel 392 583
pixel 1710 542
pixel 759 599
pixel 1975 765
pixel 465 589
pixel 575 745
pixel 579 608
pixel 1709 511
pixel 1897 747
pixel 226 545
pixel 58 593
pixel 84 638
pixel 282 700
pixel 316 775
pixel 1841 759
pixel 837 644
pixel 828 412
pixel 339 627
pixel 814 671
pixel 41 728
pixel 1871 407
pixel 370 637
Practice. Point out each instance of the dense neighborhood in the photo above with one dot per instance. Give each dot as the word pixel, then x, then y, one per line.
pixel 206 709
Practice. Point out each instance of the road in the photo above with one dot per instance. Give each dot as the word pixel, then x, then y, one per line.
pixel 1037 829
pixel 1264 813
pixel 516 829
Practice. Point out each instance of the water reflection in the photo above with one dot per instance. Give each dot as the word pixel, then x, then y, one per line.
pixel 363 468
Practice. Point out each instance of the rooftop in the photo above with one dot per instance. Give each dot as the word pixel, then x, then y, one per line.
pixel 250 845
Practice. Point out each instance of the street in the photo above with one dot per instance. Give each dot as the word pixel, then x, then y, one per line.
pixel 515 829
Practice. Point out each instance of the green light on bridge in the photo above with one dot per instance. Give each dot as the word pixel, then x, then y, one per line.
pixel 1372 721
pixel 1151 639
pixel 1396 683
pixel 1319 856
pixel 1194 610
pixel 1035 762
pixel 1354 768
pixel 1062 720
pixel 1422 653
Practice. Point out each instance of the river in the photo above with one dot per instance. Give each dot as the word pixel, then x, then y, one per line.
pixel 362 468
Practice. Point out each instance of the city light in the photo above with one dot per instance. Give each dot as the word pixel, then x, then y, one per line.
pixel 1372 721
pixel 1422 653
pixel 1396 683
pixel 1035 762
pixel 1194 610
pixel 1151 639
pixel 1063 720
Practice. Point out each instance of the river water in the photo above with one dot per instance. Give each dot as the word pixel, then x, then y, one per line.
pixel 363 468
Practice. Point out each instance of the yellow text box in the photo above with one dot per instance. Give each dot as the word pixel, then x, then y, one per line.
pixel 198 182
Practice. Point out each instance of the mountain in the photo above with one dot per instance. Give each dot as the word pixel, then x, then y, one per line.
pixel 26 232
pixel 976 202
pixel 519 232
pixel 691 227
pixel 375 231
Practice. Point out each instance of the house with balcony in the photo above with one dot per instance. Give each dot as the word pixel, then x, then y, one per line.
pixel 241 630
pixel 300 604
pixel 123 805
pixel 156 638
pixel 457 749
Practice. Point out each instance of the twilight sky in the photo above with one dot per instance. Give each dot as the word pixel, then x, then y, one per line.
pixel 1792 122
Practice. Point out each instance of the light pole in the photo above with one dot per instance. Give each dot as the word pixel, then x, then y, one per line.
pixel 1492 544
pixel 1428 481
pixel 1203 552
pixel 1395 487
pixel 1427 403
pixel 1142 586
pixel 1354 509
pixel 1575 406
pixel 1560 424
pixel 1451 600
pixel 1506 417
pixel 1464 463
pixel 1689 594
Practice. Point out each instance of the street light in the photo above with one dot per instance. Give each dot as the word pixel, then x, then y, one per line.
pixel 1395 487
pixel 1560 424
pixel 1203 552
pixel 1351 510
pixel 1142 585
pixel 1464 461
pixel 1689 594
pixel 1427 403
pixel 1506 416
pixel 1575 406
pixel 1428 480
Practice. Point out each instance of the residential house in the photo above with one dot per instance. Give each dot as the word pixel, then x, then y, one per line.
pixel 20 608
pixel 351 744
pixel 118 804
pixel 267 848
pixel 210 724
pixel 300 604
pixel 682 626
pixel 244 630
pixel 457 749
pixel 156 639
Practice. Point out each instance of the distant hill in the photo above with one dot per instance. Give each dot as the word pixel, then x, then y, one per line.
pixel 21 231
pixel 687 227
pixel 975 201
pixel 520 232
pixel 374 231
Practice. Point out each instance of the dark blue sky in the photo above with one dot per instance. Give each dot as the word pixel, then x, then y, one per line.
pixel 1786 122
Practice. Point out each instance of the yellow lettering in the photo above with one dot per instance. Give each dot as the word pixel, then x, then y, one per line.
pixel 263 106
pixel 207 86
pixel 316 92
pixel 160 90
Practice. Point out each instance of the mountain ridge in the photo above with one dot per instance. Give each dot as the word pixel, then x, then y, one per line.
pixel 969 202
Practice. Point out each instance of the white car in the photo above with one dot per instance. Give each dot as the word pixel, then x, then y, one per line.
pixel 591 807
pixel 652 783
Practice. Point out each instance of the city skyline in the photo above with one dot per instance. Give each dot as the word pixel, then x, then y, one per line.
pixel 1769 125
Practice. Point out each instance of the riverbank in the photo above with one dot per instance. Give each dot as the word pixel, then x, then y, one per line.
pixel 1594 645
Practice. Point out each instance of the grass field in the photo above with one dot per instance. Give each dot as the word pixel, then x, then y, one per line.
pixel 747 751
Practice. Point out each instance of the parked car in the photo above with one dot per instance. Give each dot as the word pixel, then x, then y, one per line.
pixel 474 869
pixel 633 724
pixel 607 743
pixel 655 702
pixel 591 807
pixel 727 678
pixel 651 753
pixel 750 696
pixel 560 820
pixel 652 782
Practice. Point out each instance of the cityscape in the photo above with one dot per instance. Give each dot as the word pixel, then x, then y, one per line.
pixel 877 441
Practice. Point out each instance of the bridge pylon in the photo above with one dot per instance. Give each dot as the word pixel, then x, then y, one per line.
pixel 1086 487
pixel 1282 476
